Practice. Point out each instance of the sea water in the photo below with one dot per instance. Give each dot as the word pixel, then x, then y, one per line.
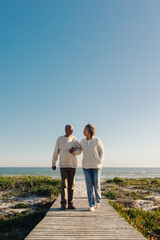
pixel 107 172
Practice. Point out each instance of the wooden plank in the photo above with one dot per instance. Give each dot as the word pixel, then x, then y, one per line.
pixel 104 223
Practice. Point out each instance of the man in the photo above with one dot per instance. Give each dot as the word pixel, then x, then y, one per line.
pixel 67 147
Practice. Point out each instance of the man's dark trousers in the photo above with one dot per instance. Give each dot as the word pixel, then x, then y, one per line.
pixel 68 180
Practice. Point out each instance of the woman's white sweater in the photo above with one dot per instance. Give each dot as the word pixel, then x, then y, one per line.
pixel 92 153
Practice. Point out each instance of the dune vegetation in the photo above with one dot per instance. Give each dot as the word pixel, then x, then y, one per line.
pixel 24 201
pixel 138 201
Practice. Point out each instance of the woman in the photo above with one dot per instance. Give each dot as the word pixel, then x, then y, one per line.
pixel 92 164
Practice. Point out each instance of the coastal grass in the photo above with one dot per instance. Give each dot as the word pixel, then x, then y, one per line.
pixel 114 192
pixel 140 183
pixel 148 223
pixel 122 194
pixel 27 185
pixel 17 226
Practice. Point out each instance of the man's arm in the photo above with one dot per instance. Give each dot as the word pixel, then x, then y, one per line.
pixel 55 155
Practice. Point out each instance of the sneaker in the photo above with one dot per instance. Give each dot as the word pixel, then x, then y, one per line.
pixel 92 209
pixel 97 205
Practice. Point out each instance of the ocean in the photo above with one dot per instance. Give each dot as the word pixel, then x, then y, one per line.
pixel 107 172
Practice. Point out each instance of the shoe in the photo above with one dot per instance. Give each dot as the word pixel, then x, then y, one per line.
pixel 97 205
pixel 92 209
pixel 71 207
pixel 63 208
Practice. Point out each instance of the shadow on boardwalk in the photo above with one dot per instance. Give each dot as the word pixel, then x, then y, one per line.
pixel 104 223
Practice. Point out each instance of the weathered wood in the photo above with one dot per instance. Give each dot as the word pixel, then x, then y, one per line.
pixel 104 223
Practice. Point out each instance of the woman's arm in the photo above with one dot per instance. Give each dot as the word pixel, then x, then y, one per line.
pixel 77 147
pixel 100 150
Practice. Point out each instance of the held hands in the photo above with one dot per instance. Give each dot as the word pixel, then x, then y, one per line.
pixel 72 150
pixel 54 167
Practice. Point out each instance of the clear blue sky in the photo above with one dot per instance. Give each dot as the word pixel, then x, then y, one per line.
pixel 79 62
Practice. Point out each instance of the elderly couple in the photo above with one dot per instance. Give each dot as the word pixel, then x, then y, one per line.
pixel 67 147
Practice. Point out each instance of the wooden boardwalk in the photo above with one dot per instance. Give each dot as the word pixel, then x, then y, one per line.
pixel 104 223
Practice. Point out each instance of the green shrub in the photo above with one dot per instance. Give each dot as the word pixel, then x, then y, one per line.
pixel 109 181
pixel 21 205
pixel 119 181
pixel 110 195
